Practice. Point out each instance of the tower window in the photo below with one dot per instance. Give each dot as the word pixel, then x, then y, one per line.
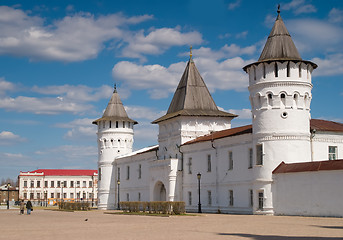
pixel 283 98
pixel 230 161
pixel 250 157
pixel 123 124
pixel 209 163
pixel 259 154
pixel 117 124
pixel 288 69
pixel 254 73
pixel 299 70
pixel 110 124
pixel 276 70
pixel 264 70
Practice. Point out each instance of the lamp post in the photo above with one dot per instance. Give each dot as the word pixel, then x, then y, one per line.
pixel 8 195
pixel 118 183
pixel 199 204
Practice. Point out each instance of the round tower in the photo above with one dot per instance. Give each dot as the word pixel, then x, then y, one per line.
pixel 115 138
pixel 280 96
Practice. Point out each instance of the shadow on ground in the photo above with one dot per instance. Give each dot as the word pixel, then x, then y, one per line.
pixel 274 237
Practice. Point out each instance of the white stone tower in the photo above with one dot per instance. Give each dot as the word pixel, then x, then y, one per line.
pixel 191 113
pixel 280 95
pixel 115 138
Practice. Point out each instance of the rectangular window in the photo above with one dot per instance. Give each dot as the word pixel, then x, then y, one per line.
pixel 38 184
pixel 78 195
pixel 58 183
pixel 127 197
pixel 117 124
pixel 99 173
pixel 231 197
pixel 25 195
pixel 139 197
pixel 260 200
pixel 250 157
pixel 52 195
pixel 32 184
pixel 65 184
pixel 110 124
pixel 140 171
pixel 251 192
pixel 38 195
pixel 332 152
pixel 230 160
pixel 78 184
pixel 58 195
pixel 128 172
pixel 71 195
pixel 259 154
pixel 190 165
pixel 64 195
pixel 123 124
pixel 209 198
pixel 84 184
pixel 52 184
pixel 84 196
pixel 90 184
pixel 25 183
pixel 209 163
pixel 189 198
pixel 45 183
pixel 71 183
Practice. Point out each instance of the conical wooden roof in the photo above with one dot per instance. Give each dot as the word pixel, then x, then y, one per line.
pixel 192 97
pixel 115 110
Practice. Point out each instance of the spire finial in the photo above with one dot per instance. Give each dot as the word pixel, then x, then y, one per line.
pixel 190 52
pixel 278 10
pixel 115 88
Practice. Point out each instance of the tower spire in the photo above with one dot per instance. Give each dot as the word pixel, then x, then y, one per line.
pixel 190 53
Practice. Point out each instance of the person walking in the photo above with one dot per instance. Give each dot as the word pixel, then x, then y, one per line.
pixel 29 207
pixel 22 207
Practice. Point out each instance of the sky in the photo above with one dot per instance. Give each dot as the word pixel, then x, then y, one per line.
pixel 59 61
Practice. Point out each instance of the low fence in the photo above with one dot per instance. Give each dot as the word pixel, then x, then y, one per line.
pixel 160 207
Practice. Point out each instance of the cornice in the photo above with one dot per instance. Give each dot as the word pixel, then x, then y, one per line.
pixel 279 84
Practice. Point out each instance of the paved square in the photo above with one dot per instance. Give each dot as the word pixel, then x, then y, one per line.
pixel 46 224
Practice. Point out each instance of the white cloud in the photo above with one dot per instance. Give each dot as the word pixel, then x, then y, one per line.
pixel 5 86
pixel 329 66
pixel 242 35
pixel 336 15
pixel 299 6
pixel 140 112
pixel 158 41
pixel 242 113
pixel 9 138
pixel 74 38
pixel 81 129
pixel 234 4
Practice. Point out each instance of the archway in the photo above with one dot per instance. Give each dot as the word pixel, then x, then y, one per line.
pixel 159 192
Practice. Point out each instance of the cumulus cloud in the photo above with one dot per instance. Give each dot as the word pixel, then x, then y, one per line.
pixel 141 112
pixel 74 38
pixel 336 15
pixel 234 4
pixel 329 66
pixel 9 138
pixel 299 6
pixel 80 129
pixel 5 86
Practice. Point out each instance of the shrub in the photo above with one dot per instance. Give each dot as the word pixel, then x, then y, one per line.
pixel 156 207
pixel 78 206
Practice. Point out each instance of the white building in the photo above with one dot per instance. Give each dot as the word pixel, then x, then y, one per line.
pixel 49 186
pixel 238 166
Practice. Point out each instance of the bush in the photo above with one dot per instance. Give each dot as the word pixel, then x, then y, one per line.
pixel 157 207
pixel 78 206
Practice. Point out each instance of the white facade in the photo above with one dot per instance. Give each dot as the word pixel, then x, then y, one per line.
pixel 48 189
pixel 236 164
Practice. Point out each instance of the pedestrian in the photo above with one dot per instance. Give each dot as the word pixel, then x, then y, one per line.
pixel 29 207
pixel 22 207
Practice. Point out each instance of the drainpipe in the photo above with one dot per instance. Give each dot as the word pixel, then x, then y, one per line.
pixel 313 133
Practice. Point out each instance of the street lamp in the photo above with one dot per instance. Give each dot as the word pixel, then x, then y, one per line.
pixel 199 204
pixel 118 182
pixel 8 195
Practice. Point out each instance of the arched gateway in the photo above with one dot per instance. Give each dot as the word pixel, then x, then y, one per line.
pixel 159 192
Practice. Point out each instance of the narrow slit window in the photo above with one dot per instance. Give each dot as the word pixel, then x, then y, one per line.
pixel 276 70
pixel 288 70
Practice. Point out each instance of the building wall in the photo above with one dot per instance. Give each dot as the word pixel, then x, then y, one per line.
pixel 321 142
pixel 309 193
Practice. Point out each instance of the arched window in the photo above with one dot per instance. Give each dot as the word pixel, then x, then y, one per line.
pixel 283 98
pixel 269 99
pixel 295 100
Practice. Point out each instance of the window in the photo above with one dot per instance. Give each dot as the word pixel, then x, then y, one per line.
pixel 84 196
pixel 45 183
pixel 230 161
pixel 103 124
pixel 110 124
pixel 71 183
pixel 25 195
pixel 264 70
pixel 260 200
pixel 259 154
pixel 300 70
pixel 52 184
pixel 38 195
pixel 117 124
pixel 231 197
pixel 38 184
pixel 190 198
pixel 84 184
pixel 90 184
pixel 140 171
pixel 99 173
pixel 58 195
pixel 71 195
pixel 65 184
pixel 78 195
pixel 283 99
pixel 276 70
pixel 254 73
pixel 64 195
pixel 32 184
pixel 288 69
pixel 250 157
pixel 78 184
pixel 332 152
pixel 208 163
pixel 139 197
pixel 25 183
pixel 251 193
pixel 58 183
pixel 128 172
pixel 190 165
pixel 127 197
pixel 52 195
pixel 209 198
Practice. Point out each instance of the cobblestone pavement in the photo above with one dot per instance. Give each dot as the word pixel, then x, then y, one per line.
pixel 95 225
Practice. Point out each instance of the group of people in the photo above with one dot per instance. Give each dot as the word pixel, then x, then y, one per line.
pixel 28 206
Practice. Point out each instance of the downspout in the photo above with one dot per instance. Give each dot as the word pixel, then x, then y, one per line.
pixel 313 133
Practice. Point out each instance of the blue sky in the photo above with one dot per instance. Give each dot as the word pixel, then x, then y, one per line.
pixel 60 59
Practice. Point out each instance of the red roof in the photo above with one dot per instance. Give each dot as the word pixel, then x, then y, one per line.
pixel 318 124
pixel 65 172
pixel 309 166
